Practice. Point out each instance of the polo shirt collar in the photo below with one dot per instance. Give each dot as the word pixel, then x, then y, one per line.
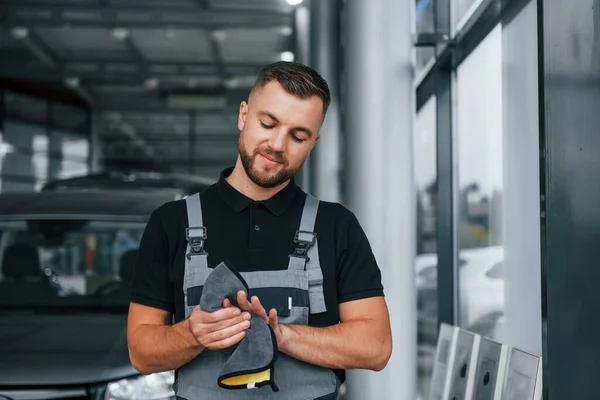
pixel 238 201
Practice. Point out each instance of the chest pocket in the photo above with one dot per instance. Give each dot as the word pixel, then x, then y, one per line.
pixel 281 299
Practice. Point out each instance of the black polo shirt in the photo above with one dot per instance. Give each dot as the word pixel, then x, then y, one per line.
pixel 253 236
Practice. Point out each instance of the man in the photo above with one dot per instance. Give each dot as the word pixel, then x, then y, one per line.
pixel 254 216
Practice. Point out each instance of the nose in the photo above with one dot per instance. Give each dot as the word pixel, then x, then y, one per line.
pixel 277 140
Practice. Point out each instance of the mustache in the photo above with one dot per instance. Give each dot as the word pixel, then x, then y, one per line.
pixel 276 155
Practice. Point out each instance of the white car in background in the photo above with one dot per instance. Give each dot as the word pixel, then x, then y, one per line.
pixel 480 291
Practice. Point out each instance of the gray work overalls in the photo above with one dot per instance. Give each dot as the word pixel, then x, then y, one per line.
pixel 294 292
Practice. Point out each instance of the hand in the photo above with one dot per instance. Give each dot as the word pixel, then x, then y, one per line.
pixel 220 329
pixel 254 306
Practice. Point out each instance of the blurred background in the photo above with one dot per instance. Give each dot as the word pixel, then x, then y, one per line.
pixel 461 133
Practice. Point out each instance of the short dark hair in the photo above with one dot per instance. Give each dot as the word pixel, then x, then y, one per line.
pixel 297 79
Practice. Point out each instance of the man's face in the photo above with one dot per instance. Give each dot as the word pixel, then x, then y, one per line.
pixel 278 132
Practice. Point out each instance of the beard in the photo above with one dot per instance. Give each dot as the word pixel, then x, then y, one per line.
pixel 265 178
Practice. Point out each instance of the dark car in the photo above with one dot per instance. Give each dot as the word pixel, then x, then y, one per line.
pixel 139 180
pixel 66 265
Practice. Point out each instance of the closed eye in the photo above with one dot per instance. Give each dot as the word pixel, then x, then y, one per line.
pixel 266 126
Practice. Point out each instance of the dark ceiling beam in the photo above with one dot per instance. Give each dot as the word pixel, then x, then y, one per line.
pixel 143 5
pixel 45 15
pixel 215 42
pixel 39 49
pixel 201 138
pixel 127 71
pixel 174 162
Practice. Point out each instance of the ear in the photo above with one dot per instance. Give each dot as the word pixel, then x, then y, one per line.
pixel 242 116
pixel 317 137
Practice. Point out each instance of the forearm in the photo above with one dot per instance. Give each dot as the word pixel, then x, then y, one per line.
pixel 355 344
pixel 157 348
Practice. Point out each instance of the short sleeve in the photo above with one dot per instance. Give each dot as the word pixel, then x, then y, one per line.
pixel 152 285
pixel 358 274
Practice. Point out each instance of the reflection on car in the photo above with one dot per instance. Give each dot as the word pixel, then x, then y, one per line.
pixel 66 267
pixel 183 184
pixel 481 301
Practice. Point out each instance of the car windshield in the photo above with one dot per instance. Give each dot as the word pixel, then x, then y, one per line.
pixel 67 263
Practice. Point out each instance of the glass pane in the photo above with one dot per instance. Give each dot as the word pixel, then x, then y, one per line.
pixel 67 263
pixel 75 148
pixel 71 169
pixel 461 8
pixel 25 108
pixel 424 15
pixel 423 55
pixel 20 135
pixel 426 262
pixel 40 160
pixel 68 117
pixel 480 187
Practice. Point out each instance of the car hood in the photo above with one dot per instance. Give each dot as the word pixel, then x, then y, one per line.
pixel 47 350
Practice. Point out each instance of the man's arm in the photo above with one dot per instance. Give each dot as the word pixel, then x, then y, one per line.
pixel 362 340
pixel 155 345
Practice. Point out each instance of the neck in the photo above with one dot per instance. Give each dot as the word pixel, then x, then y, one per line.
pixel 240 181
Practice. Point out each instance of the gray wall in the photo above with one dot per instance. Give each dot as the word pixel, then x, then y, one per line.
pixel 571 227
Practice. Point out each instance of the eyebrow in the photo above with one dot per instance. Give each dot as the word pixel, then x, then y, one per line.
pixel 296 128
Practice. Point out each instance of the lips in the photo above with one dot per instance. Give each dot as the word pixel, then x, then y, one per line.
pixel 269 158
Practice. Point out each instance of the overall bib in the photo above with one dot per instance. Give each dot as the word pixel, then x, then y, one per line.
pixel 294 292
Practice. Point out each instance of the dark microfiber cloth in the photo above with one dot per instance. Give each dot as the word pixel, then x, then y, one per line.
pixel 257 351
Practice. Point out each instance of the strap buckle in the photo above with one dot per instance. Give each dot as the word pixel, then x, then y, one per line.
pixel 196 235
pixel 302 245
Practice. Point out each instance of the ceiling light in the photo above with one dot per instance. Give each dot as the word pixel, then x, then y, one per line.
pixel 120 33
pixel 151 83
pixel 6 148
pixel 232 83
pixel 287 56
pixel 294 2
pixel 72 82
pixel 286 30
pixel 20 32
pixel 219 35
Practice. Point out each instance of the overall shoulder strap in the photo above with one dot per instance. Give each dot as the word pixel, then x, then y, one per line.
pixel 196 257
pixel 306 255
pixel 195 233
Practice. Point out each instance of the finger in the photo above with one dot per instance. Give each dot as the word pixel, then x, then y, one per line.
pixel 243 301
pixel 221 315
pixel 259 309
pixel 225 343
pixel 217 326
pixel 227 303
pixel 273 320
pixel 226 333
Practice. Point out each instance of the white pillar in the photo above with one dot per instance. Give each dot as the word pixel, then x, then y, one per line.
pixel 521 203
pixel 324 57
pixel 302 54
pixel 379 116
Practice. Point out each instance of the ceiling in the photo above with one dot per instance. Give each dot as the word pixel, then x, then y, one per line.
pixel 165 76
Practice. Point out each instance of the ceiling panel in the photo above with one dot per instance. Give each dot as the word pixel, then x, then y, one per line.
pixel 165 49
pixel 77 43
pixel 253 45
pixel 271 5
pixel 192 45
pixel 155 3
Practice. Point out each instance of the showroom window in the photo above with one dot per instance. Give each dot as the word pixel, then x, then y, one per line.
pixel 41 140
pixel 480 190
pixel 426 226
